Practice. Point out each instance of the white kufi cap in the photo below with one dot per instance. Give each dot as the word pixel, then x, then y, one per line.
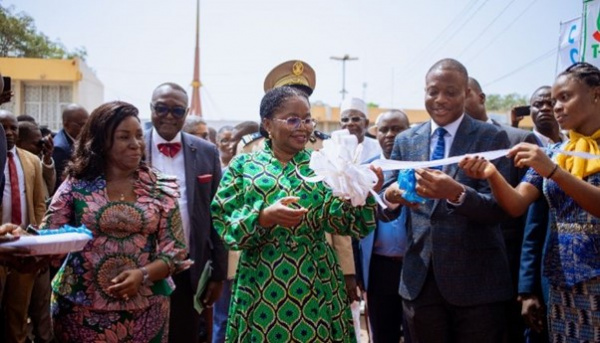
pixel 354 104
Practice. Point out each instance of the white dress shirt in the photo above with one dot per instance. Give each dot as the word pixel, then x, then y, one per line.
pixel 173 166
pixel 448 137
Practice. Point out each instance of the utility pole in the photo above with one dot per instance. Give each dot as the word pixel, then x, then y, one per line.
pixel 343 59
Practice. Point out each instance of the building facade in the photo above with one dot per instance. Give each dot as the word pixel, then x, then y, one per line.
pixel 43 87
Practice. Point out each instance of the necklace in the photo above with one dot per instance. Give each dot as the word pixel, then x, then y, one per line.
pixel 121 185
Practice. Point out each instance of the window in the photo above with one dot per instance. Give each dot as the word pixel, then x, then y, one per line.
pixel 46 102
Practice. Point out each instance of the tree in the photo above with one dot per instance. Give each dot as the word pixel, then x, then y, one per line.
pixel 19 38
pixel 504 103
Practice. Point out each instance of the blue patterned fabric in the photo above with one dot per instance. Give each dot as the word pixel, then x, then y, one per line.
pixel 571 263
pixel 574 313
pixel 440 147
pixel 572 250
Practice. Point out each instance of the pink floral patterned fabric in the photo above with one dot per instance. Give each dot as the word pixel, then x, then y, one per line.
pixel 127 235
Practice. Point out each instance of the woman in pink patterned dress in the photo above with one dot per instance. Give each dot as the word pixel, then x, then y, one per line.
pixel 117 289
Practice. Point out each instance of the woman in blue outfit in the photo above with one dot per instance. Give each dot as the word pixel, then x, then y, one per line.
pixel 571 186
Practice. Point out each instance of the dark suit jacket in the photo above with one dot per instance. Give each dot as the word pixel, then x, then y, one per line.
pixel 201 158
pixel 63 149
pixel 463 244
pixel 512 228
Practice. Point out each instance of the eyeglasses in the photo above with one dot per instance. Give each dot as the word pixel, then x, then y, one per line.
pixel 294 122
pixel 163 111
pixel 353 119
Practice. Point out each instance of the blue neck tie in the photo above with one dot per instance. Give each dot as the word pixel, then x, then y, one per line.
pixel 440 146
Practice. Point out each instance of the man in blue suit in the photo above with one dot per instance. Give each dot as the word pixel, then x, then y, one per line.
pixel 195 163
pixel 73 117
pixel 381 251
pixel 455 277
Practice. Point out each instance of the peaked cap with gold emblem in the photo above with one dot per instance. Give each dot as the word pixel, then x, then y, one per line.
pixel 292 73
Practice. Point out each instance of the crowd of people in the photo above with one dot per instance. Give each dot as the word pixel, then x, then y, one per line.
pixel 218 233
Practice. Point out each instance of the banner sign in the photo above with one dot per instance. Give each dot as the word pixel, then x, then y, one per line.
pixel 591 32
pixel 569 44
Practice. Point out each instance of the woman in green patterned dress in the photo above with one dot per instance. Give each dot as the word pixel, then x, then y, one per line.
pixel 289 286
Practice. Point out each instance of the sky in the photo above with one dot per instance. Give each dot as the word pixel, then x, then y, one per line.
pixel 134 45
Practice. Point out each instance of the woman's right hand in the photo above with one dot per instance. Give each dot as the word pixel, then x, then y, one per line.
pixel 280 213
pixel 477 167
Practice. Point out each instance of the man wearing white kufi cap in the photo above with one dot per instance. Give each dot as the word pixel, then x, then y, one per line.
pixel 353 116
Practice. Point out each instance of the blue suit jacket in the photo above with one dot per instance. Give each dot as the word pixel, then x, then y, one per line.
pixel 463 245
pixel 200 158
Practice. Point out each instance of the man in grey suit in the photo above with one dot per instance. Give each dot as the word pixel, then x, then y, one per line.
pixel 512 228
pixel 196 164
pixel 455 277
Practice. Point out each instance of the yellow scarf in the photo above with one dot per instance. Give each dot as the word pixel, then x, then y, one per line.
pixel 578 166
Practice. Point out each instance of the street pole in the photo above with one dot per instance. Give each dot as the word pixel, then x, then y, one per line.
pixel 343 59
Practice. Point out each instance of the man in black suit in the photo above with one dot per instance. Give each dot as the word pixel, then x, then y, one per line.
pixel 196 164
pixel 512 228
pixel 74 117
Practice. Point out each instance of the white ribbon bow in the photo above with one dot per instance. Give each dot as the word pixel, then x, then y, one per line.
pixel 338 165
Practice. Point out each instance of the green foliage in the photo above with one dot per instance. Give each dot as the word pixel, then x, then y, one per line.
pixel 372 105
pixel 504 103
pixel 19 38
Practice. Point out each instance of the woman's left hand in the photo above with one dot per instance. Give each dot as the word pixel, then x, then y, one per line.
pixel 126 284
pixel 379 173
pixel 531 155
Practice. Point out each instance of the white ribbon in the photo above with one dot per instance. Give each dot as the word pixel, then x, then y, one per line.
pixel 396 165
pixel 488 155
pixel 338 165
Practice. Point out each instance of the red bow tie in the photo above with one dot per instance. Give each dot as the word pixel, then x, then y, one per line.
pixel 169 149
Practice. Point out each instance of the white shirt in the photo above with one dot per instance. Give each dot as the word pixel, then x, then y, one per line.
pixel 6 199
pixel 173 166
pixel 370 150
pixel 448 137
